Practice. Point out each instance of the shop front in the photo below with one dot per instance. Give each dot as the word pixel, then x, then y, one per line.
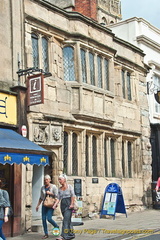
pixel 16 151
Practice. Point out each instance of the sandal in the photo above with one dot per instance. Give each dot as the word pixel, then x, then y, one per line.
pixel 45 236
pixel 60 238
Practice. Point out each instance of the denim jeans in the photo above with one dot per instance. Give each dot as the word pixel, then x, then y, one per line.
pixel 1 233
pixel 47 214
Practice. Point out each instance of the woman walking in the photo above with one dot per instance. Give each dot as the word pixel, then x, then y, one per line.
pixel 4 209
pixel 47 212
pixel 66 196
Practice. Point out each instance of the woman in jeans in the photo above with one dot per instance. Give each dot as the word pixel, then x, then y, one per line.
pixel 66 196
pixel 47 213
pixel 4 209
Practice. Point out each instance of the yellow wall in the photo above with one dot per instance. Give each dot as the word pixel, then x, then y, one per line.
pixel 8 108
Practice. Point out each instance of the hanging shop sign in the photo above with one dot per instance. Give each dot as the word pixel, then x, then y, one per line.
pixel 113 201
pixel 8 108
pixel 35 89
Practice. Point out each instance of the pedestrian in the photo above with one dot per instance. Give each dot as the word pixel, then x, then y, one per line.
pixel 4 209
pixel 158 183
pixel 66 197
pixel 47 212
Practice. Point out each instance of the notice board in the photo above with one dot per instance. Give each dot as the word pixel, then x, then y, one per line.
pixel 113 201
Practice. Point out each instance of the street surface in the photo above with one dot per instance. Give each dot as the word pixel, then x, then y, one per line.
pixel 138 225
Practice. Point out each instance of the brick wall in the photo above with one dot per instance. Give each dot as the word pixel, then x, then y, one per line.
pixel 87 8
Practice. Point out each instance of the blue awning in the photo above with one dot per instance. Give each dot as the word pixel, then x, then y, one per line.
pixel 17 149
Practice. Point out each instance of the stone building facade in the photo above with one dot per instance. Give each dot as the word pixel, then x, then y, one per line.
pixel 94 118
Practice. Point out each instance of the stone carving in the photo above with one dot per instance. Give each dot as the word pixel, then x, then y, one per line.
pixel 56 134
pixel 41 134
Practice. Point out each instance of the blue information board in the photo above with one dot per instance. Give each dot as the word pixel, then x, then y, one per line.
pixel 113 201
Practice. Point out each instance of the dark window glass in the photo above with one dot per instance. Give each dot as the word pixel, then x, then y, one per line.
pixel 92 69
pixel 123 164
pixel 68 63
pixel 65 153
pixel 94 155
pixel 45 54
pixel 74 155
pixel 87 156
pixel 129 160
pixel 105 158
pixel 83 64
pixel 123 84
pixel 99 65
pixel 35 53
pixel 129 86
pixel 106 73
pixel 113 157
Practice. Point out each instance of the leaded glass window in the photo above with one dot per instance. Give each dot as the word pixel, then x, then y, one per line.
pixel 105 158
pixel 94 155
pixel 35 50
pixel 83 65
pixel 112 145
pixel 99 65
pixel 74 155
pixel 68 63
pixel 65 153
pixel 123 84
pixel 45 54
pixel 129 86
pixel 92 69
pixel 123 160
pixel 106 73
pixel 87 155
pixel 129 159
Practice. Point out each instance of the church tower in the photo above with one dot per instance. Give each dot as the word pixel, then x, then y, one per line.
pixel 104 12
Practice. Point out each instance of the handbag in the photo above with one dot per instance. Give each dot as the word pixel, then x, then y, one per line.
pixel 75 205
pixel 49 201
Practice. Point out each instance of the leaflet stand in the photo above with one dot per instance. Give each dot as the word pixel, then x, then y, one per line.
pixel 113 201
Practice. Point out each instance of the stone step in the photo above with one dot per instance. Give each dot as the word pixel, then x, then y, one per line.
pixel 38 227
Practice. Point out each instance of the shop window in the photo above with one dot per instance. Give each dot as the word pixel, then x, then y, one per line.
pixel 40 52
pixel 68 63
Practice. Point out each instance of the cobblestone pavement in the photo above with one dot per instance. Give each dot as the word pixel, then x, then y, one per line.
pixel 137 225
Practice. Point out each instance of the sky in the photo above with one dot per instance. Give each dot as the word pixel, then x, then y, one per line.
pixel 147 9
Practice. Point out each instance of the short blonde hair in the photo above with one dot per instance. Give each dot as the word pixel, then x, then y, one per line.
pixel 63 175
pixel 47 177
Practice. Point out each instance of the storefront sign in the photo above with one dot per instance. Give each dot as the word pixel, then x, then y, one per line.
pixel 78 187
pixel 113 200
pixel 8 108
pixel 35 89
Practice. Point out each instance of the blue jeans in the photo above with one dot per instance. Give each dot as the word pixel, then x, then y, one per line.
pixel 47 214
pixel 1 233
